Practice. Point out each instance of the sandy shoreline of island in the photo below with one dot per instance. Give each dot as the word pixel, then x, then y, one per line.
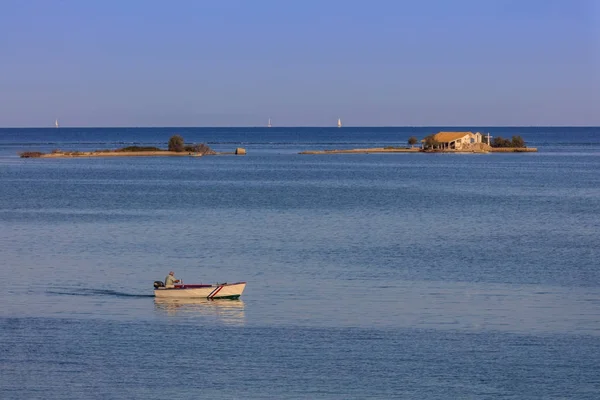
pixel 514 149
pixel 99 154
pixel 76 154
pixel 240 151
pixel 177 148
pixel 364 151
pixel 419 150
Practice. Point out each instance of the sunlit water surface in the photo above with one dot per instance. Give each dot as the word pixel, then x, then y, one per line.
pixel 369 276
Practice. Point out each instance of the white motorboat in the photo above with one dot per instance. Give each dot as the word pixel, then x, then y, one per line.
pixel 211 292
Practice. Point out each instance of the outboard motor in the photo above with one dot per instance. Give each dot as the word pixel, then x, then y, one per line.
pixel 158 284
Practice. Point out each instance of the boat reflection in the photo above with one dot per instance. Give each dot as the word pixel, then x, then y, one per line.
pixel 227 311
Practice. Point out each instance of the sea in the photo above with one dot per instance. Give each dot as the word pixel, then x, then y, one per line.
pixel 369 276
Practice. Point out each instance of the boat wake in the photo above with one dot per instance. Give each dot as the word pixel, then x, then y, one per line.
pixel 96 292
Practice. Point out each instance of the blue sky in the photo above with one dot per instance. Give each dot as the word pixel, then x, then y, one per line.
pixel 302 63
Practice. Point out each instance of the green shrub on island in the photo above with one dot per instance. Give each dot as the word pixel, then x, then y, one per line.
pixel 412 141
pixel 515 142
pixel 139 148
pixel 430 142
pixel 176 143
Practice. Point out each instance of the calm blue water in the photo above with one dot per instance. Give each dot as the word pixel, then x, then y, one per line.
pixel 369 276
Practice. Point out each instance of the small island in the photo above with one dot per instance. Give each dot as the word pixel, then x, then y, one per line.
pixel 446 142
pixel 176 147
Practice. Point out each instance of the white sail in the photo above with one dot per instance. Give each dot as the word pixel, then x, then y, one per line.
pixel 56 123
pixel 339 122
pixel 269 124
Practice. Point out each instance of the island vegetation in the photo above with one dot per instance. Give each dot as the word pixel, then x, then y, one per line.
pixel 176 147
pixel 430 143
pixel 176 143
pixel 136 148
pixel 445 142
pixel 515 142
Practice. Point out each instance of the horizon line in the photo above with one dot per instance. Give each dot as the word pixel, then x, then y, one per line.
pixel 297 126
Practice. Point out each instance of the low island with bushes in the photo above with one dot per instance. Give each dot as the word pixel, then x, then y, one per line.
pixel 176 147
pixel 445 142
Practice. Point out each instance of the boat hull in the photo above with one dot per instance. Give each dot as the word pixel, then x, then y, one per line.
pixel 211 292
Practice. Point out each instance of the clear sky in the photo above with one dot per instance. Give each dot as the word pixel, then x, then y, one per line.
pixel 301 63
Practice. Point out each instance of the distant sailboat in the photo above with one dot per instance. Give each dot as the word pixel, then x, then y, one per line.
pixel 339 122
pixel 56 123
pixel 269 124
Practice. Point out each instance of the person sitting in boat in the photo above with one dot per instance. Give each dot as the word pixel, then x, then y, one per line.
pixel 170 280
